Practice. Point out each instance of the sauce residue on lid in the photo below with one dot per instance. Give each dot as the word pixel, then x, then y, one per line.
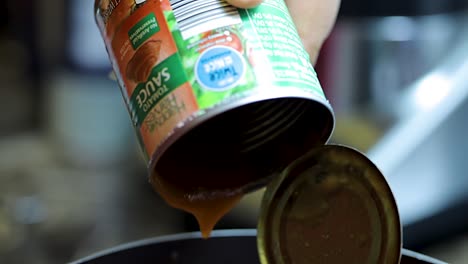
pixel 331 206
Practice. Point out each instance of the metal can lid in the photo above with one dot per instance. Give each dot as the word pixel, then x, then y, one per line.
pixel 332 205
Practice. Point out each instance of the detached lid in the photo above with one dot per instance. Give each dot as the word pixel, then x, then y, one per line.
pixel 331 206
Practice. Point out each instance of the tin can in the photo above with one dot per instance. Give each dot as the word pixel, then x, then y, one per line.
pixel 330 206
pixel 221 98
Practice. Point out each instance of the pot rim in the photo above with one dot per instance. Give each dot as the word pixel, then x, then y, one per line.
pixel 215 234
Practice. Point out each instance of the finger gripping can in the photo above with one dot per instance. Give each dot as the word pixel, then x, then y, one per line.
pixel 221 97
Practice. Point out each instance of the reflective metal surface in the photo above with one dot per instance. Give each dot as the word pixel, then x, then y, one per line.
pixel 423 155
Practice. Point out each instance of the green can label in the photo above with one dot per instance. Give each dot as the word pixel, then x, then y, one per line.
pixel 177 59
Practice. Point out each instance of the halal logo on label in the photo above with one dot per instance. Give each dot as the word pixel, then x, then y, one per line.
pixel 220 68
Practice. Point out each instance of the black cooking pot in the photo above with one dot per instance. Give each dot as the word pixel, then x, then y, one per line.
pixel 225 246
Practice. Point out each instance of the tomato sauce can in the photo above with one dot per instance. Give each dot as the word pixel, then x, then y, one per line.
pixel 208 85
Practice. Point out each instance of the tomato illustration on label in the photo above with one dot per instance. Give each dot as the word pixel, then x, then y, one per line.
pixel 165 5
pixel 234 42
pixel 225 38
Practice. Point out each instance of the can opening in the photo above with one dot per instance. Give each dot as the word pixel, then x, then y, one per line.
pixel 239 150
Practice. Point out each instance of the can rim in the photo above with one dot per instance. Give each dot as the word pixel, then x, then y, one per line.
pixel 243 99
pixel 276 195
pixel 205 115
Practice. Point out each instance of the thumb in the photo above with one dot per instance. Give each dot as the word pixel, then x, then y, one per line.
pixel 314 20
pixel 244 3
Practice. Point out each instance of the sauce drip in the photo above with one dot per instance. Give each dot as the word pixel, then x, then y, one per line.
pixel 207 206
pixel 207 171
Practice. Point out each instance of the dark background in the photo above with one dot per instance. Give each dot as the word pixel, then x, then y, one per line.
pixel 72 181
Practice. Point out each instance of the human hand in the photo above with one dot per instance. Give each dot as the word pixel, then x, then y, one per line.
pixel 314 20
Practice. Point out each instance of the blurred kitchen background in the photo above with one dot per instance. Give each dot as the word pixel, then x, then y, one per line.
pixel 72 181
